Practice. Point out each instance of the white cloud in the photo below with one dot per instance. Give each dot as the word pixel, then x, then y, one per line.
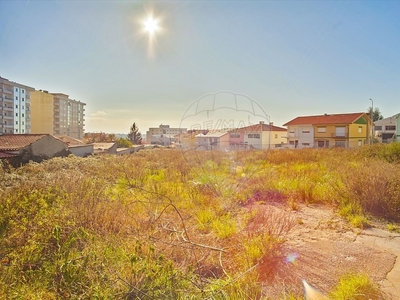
pixel 98 113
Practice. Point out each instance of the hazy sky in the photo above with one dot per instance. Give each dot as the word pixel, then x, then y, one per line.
pixel 291 57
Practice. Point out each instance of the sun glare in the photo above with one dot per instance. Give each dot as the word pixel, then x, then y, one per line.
pixel 151 25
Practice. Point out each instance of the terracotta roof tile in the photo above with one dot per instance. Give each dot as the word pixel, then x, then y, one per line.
pixel 13 142
pixel 326 119
pixel 7 155
pixel 256 127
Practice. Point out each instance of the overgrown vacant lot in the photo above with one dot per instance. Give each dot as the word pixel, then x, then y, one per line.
pixel 167 224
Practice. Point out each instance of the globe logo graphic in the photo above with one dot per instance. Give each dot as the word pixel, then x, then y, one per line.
pixel 217 143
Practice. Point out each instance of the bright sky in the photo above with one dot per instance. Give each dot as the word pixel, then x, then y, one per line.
pixel 292 57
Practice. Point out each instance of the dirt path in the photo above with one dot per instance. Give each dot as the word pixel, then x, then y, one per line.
pixel 323 247
pixel 389 242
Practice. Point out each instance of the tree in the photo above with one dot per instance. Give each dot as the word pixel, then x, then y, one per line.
pixel 376 114
pixel 134 135
pixel 124 143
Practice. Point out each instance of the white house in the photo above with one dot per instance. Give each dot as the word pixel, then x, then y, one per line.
pixel 385 129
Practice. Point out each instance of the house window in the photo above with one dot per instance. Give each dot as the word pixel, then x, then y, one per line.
pixel 234 135
pixel 305 144
pixel 390 127
pixel 254 136
pixel 305 131
pixel 340 144
pixel 291 142
pixel 276 136
pixel 340 131
pixel 378 127
pixel 359 143
pixel 359 129
pixel 321 129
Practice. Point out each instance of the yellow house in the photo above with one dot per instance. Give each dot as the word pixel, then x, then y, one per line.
pixel 330 130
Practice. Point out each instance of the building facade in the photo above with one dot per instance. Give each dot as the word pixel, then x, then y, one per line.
pixel 14 107
pixel 330 130
pixel 155 135
pixel 57 114
pixel 385 129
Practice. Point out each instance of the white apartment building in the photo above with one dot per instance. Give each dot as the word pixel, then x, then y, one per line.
pixel 155 135
pixel 14 107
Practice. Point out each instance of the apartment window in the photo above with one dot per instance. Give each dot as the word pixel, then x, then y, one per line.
pixel 23 123
pixel 378 127
pixel 305 144
pixel 16 122
pixel 23 130
pixel 359 129
pixel 291 142
pixel 390 127
pixel 234 135
pixel 305 131
pixel 16 106
pixel 359 143
pixel 16 130
pixel 23 99
pixel 23 115
pixel 254 136
pixel 16 98
pixel 321 129
pixel 276 136
pixel 23 91
pixel 16 114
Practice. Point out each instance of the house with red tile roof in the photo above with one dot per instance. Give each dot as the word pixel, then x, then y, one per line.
pixel 77 147
pixel 26 147
pixel 213 140
pixel 347 130
pixel 258 136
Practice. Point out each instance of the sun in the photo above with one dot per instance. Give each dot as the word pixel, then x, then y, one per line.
pixel 150 25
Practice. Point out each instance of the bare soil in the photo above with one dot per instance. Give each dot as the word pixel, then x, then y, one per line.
pixel 323 246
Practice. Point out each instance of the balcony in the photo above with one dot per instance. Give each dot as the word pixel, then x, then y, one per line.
pixel 8 108
pixel 8 91
pixel 8 99
pixel 340 135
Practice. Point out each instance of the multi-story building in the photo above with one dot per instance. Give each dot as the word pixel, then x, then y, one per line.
pixel 258 136
pixel 385 129
pixel 155 134
pixel 56 114
pixel 14 107
pixel 336 130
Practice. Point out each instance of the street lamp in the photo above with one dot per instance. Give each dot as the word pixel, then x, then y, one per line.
pixel 372 118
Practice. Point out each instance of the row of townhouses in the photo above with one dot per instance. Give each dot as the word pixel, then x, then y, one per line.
pixel 346 130
pixel 25 110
